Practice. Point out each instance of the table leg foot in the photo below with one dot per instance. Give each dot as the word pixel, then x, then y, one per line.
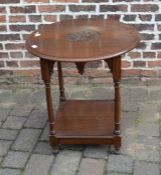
pixel 117 151
pixel 54 144
pixel 117 144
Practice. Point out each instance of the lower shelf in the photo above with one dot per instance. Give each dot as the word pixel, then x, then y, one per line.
pixel 85 119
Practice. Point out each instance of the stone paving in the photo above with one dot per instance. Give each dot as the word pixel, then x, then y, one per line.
pixel 24 148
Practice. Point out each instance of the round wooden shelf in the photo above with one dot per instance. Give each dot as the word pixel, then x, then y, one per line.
pixel 82 40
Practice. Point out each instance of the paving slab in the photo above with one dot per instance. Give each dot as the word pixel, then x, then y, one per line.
pixel 26 140
pixel 39 164
pixel 66 163
pixel 4 114
pixel 22 111
pixel 120 163
pixel 144 168
pixel 15 159
pixel 91 166
pixel 148 129
pixel 4 147
pixel 24 134
pixel 8 171
pixel 8 134
pixel 37 119
pixel 14 122
pixel 45 133
pixel 148 155
pixel 43 148
pixel 96 151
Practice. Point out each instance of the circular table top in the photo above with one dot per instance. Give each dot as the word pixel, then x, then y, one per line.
pixel 81 40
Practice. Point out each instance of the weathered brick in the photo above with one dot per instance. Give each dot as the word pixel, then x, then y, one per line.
pixel 144 7
pixel 125 0
pixel 95 1
pixel 35 18
pixel 50 18
pixel 3 28
pixel 22 27
pixel 149 54
pixel 134 54
pixel 3 18
pixel 16 54
pixel 31 63
pixel 50 9
pixel 37 1
pixel 78 8
pixel 36 12
pixel 129 17
pixel 23 9
pixel 12 63
pixel 1 46
pixel 139 63
pixel 141 45
pixel 2 64
pixel 156 46
pixel 10 37
pixel 15 46
pixel 2 10
pixel 159 55
pixel 66 1
pixel 65 17
pixel 158 17
pixel 114 16
pixel 146 17
pixel 142 27
pixel 16 19
pixel 9 1
pixel 147 36
pixel 113 8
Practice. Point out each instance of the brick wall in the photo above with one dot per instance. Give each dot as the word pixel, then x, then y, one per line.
pixel 18 18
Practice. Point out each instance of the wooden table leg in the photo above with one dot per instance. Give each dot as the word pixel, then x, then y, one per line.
pixel 61 82
pixel 116 70
pixel 46 70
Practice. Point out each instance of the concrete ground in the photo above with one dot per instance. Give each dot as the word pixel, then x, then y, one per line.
pixel 24 148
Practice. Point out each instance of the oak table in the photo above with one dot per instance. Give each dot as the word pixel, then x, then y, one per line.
pixel 81 41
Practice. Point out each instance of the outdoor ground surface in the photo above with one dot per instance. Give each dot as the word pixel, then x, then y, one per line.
pixel 24 147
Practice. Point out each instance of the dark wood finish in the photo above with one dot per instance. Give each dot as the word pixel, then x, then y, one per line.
pixel 81 41
pixel 80 66
pixel 83 118
pixel 46 76
pixel 116 71
pixel 61 82
pixel 51 41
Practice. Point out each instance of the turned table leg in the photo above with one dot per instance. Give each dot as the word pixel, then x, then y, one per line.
pixel 116 70
pixel 46 72
pixel 61 82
